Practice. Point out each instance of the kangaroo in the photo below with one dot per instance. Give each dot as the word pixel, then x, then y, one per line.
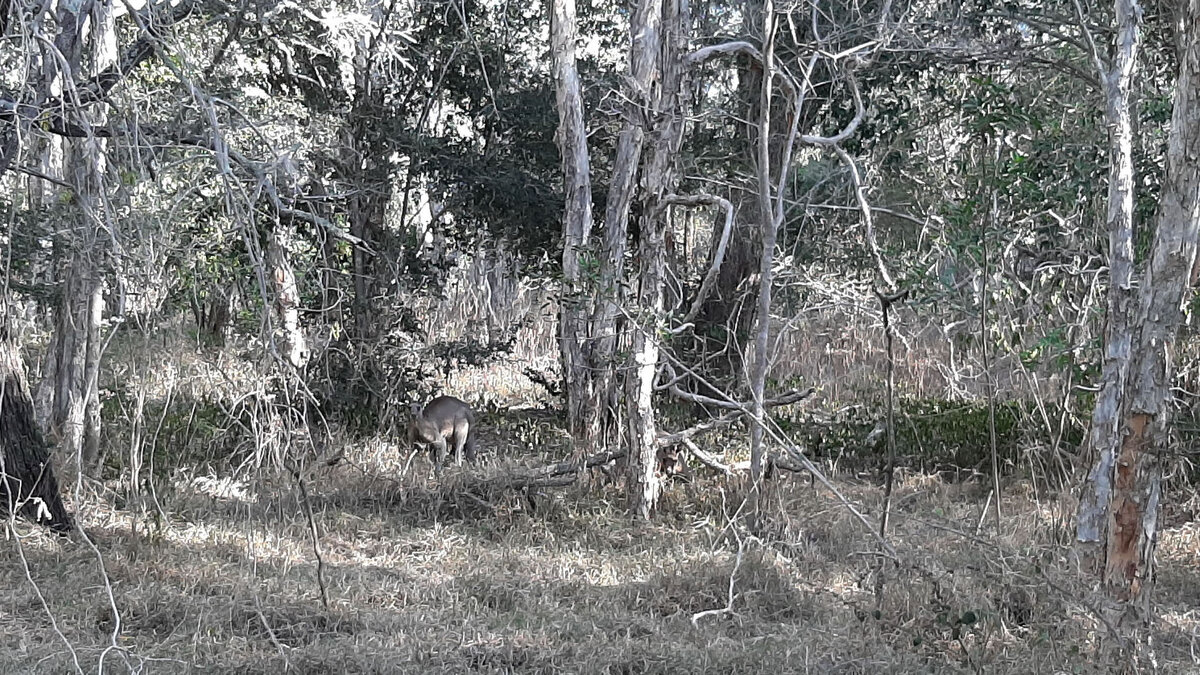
pixel 444 419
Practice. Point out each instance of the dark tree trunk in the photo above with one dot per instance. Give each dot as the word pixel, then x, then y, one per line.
pixel 213 315
pixel 27 481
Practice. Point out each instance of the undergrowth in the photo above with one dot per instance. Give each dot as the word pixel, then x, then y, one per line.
pixel 219 575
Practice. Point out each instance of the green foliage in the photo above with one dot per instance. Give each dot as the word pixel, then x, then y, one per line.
pixel 29 246
pixel 931 435
pixel 180 432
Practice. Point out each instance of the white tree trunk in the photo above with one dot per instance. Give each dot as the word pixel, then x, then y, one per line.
pixel 90 448
pixel 577 220
pixel 1143 418
pixel 288 335
pixel 1103 437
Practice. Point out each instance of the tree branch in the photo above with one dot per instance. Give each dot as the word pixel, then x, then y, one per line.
pixel 96 89
pixel 710 278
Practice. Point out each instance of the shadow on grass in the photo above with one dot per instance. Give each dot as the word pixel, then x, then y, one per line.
pixel 231 587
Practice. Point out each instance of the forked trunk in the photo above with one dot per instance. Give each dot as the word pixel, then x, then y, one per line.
pixel 658 180
pixel 1130 516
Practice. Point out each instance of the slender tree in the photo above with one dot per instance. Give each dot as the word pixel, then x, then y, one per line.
pixel 577 219
pixel 1116 78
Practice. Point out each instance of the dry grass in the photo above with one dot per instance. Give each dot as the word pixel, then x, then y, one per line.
pixel 421 581
pixel 220 576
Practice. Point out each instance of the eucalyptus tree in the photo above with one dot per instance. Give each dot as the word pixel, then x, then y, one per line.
pixel 1131 423
pixel 61 67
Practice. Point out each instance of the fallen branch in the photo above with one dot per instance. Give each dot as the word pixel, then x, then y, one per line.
pixel 705 458
pixel 776 460
pixel 554 475
pixel 781 400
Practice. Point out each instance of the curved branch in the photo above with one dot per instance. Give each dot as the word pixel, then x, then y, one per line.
pixel 851 126
pixel 724 49
pixel 860 195
pixel 710 278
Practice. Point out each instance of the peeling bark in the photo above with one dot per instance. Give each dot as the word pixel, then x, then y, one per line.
pixel 577 219
pixel 1103 437
pixel 1130 517
pixel 288 334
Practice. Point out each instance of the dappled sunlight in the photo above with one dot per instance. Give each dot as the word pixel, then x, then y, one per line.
pixel 579 582
pixel 219 487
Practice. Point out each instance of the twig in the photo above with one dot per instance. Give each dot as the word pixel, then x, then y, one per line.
pixel 279 647
pixel 860 195
pixel 316 544
pixel 989 355
pixel 799 456
pixel 728 608
pixel 12 531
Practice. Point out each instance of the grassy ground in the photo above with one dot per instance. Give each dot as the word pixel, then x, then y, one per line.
pixel 422 580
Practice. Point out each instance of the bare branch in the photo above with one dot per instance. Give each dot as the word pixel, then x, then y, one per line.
pixel 1092 49
pixel 705 458
pixel 728 608
pixel 268 187
pixel 724 49
pixel 29 171
pixel 874 209
pixel 710 278
pixel 795 453
pixel 860 195
pixel 786 399
pixel 851 126
pixel 553 475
